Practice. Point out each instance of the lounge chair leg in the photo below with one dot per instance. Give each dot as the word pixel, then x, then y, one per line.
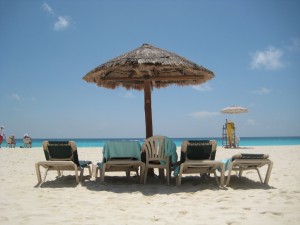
pixel 81 174
pixel 179 177
pixel 76 173
pixel 96 169
pixel 161 173
pixel 46 171
pixel 240 173
pixel 222 174
pixel 59 174
pixel 229 174
pixel 145 176
pixel 168 175
pixel 137 172
pixel 90 171
pixel 102 172
pixel 215 174
pixel 38 173
pixel 142 173
pixel 259 175
pixel 270 166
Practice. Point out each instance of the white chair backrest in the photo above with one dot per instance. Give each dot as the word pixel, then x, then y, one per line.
pixel 154 148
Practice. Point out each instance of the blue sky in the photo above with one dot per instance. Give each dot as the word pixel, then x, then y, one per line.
pixel 253 47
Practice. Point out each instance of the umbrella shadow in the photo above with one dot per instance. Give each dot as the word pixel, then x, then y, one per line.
pixel 68 181
pixel 244 183
pixel 155 185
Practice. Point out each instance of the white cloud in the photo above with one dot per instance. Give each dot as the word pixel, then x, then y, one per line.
pixel 269 59
pixel 203 114
pixel 48 9
pixel 295 45
pixel 129 94
pixel 62 23
pixel 251 122
pixel 262 91
pixel 202 87
pixel 15 97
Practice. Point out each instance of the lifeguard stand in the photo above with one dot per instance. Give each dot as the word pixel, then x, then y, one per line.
pixel 228 135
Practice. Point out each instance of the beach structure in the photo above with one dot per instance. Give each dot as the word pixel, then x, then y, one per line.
pixel 60 156
pixel 145 68
pixel 198 156
pixel 243 162
pixel 229 137
pixel 121 156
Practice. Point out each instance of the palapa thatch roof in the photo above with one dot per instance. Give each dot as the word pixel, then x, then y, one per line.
pixel 148 63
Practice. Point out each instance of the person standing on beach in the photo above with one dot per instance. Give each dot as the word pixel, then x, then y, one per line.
pixel 2 135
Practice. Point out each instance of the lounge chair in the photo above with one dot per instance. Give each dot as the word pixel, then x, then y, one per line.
pixel 160 153
pixel 10 142
pixel 242 162
pixel 27 142
pixel 121 156
pixel 199 157
pixel 61 155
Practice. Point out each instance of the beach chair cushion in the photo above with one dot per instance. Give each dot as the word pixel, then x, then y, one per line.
pixel 197 156
pixel 193 152
pixel 250 156
pixel 197 150
pixel 61 155
pixel 64 150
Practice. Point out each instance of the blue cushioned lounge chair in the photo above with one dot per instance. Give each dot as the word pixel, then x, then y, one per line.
pixel 198 156
pixel 60 156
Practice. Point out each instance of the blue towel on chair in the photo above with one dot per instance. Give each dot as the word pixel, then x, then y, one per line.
pixel 170 150
pixel 227 162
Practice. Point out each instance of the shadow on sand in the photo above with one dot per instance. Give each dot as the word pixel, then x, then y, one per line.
pixel 155 185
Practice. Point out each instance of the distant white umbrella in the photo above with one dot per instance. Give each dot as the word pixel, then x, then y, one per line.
pixel 234 110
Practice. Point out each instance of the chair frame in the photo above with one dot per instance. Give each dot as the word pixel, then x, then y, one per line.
pixel 119 165
pixel 202 166
pixel 241 165
pixel 60 164
pixel 27 142
pixel 116 164
pixel 9 143
pixel 155 154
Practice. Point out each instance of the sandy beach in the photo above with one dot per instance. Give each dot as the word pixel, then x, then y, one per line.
pixel 125 201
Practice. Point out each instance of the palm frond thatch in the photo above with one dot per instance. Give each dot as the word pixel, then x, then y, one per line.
pixel 148 63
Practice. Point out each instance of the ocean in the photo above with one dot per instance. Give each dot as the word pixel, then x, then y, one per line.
pixel 244 141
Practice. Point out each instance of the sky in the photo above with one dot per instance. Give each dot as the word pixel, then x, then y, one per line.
pixel 46 47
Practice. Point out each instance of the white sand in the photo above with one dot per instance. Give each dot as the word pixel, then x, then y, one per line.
pixel 125 201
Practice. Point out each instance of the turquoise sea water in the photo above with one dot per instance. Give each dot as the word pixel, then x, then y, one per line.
pixel 244 141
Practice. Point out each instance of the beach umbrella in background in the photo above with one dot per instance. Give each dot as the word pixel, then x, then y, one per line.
pixel 234 110
pixel 145 68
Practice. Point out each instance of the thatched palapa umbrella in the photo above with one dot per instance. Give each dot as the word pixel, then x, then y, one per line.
pixel 147 67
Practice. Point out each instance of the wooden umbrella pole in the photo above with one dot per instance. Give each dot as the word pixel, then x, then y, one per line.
pixel 148 117
pixel 148 109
